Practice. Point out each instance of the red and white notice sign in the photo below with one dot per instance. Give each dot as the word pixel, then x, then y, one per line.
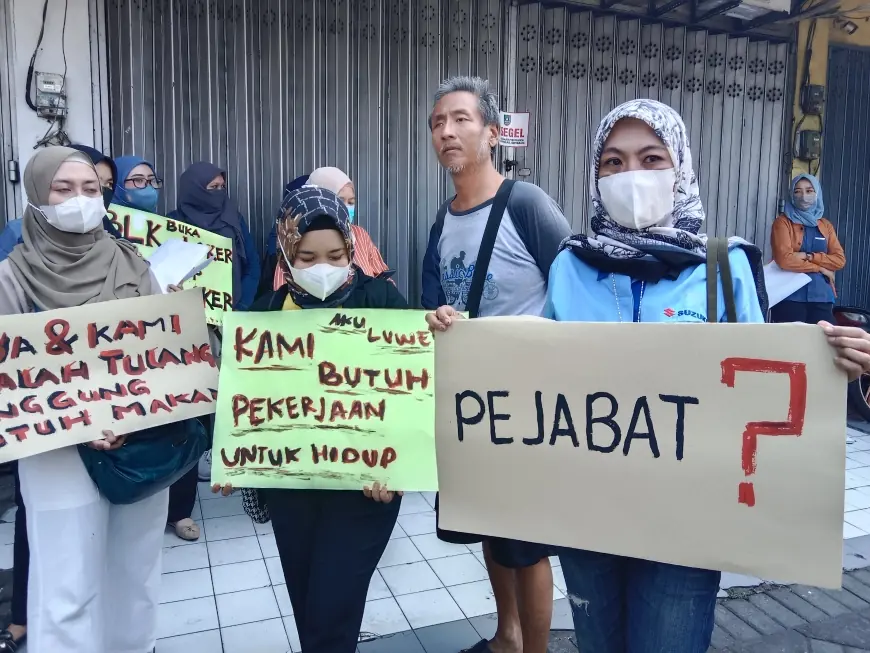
pixel 513 129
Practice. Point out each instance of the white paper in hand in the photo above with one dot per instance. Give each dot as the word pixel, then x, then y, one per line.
pixel 781 283
pixel 176 261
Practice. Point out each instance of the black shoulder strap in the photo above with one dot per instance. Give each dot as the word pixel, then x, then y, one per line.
pixel 484 254
pixel 717 261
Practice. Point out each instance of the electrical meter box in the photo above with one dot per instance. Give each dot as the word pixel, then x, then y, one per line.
pixel 812 99
pixel 50 96
pixel 809 145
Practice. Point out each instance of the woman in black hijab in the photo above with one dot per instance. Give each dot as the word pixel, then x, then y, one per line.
pixel 203 202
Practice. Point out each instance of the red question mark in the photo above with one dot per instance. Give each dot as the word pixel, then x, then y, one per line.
pixel 797 408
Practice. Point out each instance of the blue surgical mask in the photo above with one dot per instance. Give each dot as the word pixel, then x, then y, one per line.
pixel 351 211
pixel 144 199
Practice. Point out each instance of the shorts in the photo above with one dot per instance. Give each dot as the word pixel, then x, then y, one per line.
pixel 512 554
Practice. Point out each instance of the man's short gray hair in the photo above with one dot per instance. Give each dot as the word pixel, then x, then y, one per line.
pixel 477 86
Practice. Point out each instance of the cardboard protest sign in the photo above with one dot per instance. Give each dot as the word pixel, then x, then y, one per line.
pixel 123 365
pixel 719 447
pixel 326 399
pixel 148 231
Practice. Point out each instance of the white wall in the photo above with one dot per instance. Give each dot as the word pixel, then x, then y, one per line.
pixel 85 83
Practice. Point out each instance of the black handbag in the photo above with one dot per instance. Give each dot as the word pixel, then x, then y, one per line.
pixel 150 461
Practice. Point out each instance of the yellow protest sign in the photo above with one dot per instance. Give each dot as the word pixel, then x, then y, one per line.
pixel 148 231
pixel 710 446
pixel 326 399
pixel 125 365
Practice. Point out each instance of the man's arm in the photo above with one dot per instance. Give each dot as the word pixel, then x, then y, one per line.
pixel 539 222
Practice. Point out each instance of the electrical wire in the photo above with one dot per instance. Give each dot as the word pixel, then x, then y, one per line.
pixel 63 44
pixel 29 83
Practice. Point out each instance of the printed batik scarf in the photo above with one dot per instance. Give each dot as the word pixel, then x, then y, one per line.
pixel 663 251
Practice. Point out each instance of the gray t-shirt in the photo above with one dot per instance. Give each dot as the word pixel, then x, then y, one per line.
pixel 528 240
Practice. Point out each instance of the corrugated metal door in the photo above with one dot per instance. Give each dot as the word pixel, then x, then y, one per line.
pixel 846 167
pixel 574 67
pixel 274 88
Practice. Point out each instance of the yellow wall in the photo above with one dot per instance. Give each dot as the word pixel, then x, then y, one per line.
pixel 826 34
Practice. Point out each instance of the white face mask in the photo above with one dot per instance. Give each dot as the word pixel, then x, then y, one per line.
pixel 320 280
pixel 77 215
pixel 640 198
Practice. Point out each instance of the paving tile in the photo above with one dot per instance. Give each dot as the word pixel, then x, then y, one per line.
pixel 448 638
pixel 399 552
pixel 400 643
pixel 208 641
pixel 240 576
pixel 263 529
pixel 720 638
pixel 171 540
pixel 860 456
pixel 485 625
pixel 731 624
pixel 384 617
pixel 408 579
pixel 730 580
pixel 292 634
pixel 859 518
pixel 224 528
pixel 860 545
pixel 247 607
pixel 276 571
pixel 184 585
pixel 282 596
pixel 226 508
pixel 818 646
pixel 751 615
pixel 776 611
pixel 846 630
pixel 415 503
pixel 855 480
pixel 853 595
pixel 785 642
pixel 474 599
pixel 820 599
pixel 430 496
pixel 420 523
pixel 397 532
pixel 458 570
pixel 429 608
pixel 562 618
pixel 268 545
pixel 807 611
pixel 432 548
pixel 7 533
pixel 238 549
pixel 850 531
pixel 185 617
pixel 185 558
pixel 378 588
pixel 559 579
pixel 262 636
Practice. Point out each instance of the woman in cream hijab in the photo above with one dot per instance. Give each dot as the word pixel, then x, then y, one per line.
pixel 94 566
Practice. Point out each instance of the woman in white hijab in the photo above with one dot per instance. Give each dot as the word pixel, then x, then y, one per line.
pixel 94 566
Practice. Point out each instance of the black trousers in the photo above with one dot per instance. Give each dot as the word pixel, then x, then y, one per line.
pixel 20 557
pixel 182 496
pixel 809 312
pixel 330 543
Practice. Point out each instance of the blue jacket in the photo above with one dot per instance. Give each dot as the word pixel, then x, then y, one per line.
pixel 11 235
pixel 580 293
pixel 251 273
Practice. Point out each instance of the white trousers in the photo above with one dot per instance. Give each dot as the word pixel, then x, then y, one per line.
pixel 94 567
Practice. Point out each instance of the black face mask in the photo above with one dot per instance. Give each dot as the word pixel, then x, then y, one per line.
pixel 108 196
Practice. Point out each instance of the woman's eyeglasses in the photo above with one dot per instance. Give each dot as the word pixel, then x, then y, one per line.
pixel 141 182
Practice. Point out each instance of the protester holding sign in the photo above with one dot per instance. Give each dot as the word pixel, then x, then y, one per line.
pixel 491 248
pixel 203 202
pixel 329 541
pixel 804 241
pixel 95 567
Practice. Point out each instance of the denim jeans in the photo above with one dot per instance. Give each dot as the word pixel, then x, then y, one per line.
pixel 626 605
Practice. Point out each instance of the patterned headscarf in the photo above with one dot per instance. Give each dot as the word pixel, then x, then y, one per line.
pixel 661 251
pixel 299 210
pixel 810 217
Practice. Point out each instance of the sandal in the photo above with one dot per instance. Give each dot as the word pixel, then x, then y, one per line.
pixel 481 647
pixel 186 529
pixel 8 644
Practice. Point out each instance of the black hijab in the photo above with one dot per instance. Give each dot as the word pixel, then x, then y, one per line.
pixel 108 193
pixel 213 211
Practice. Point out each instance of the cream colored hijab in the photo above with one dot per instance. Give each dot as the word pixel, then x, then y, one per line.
pixel 57 269
pixel 329 178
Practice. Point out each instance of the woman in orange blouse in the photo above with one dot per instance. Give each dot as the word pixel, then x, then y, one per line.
pixel 366 255
pixel 804 241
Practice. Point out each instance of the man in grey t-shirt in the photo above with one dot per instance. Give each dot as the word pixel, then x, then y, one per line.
pixel 464 124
